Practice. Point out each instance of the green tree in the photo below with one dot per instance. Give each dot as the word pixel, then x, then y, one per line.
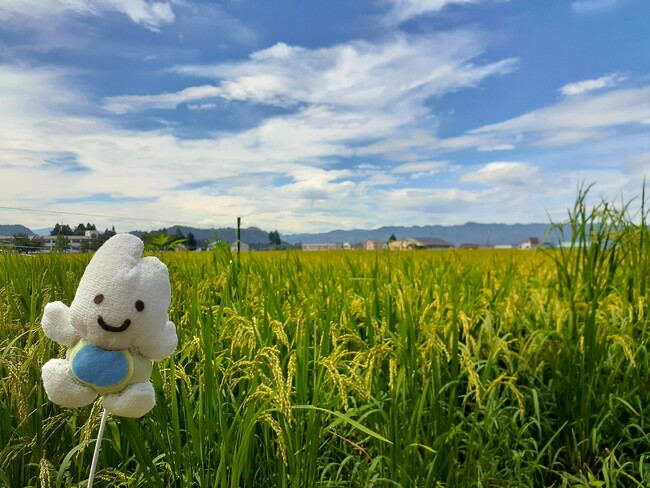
pixel 106 235
pixel 62 243
pixel 80 230
pixel 95 243
pixel 61 229
pixel 392 238
pixel 163 242
pixel 86 245
pixel 177 235
pixel 37 243
pixel 274 239
pixel 191 242
pixel 20 242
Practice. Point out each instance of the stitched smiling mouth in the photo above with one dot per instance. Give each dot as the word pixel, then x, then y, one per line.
pixel 110 328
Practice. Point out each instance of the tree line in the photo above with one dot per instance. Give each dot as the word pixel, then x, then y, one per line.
pixel 24 243
pixel 156 240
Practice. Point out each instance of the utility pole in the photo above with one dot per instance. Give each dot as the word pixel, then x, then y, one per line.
pixel 238 237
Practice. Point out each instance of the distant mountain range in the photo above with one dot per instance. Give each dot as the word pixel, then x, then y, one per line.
pixel 11 229
pixel 469 233
pixel 42 232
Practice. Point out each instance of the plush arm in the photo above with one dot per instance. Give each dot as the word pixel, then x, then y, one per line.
pixel 56 324
pixel 162 346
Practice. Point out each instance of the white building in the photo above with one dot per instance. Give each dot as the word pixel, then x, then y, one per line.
pixel 242 246
pixel 401 245
pixel 373 244
pixel 531 243
pixel 320 246
pixel 76 242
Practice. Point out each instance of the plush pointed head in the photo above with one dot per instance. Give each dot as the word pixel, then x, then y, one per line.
pixel 123 299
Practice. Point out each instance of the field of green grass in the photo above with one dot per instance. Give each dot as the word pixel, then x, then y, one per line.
pixel 351 369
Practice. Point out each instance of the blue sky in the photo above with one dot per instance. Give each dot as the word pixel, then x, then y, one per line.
pixel 312 116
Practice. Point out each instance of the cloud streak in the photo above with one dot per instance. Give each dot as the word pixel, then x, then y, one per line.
pixel 571 120
pixel 150 14
pixel 505 174
pixel 401 11
pixel 580 87
pixel 401 70
pixel 592 6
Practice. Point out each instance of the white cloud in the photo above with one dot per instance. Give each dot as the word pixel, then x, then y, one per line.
pixel 437 201
pixel 160 170
pixel 357 74
pixel 639 166
pixel 505 174
pixel 148 13
pixel 206 182
pixel 344 100
pixel 571 120
pixel 422 169
pixel 592 6
pixel 579 87
pixel 360 92
pixel 403 10
pixel 130 103
pixel 496 147
pixel 202 106
pixel 286 172
pixel 196 20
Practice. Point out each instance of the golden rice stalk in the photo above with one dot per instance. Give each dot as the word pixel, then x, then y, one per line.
pixel 15 385
pixel 392 372
pixel 115 478
pixel 92 423
pixel 474 382
pixel 53 423
pixel 278 330
pixel 627 344
pixel 271 422
pixel 270 357
pixel 468 324
pixel 45 473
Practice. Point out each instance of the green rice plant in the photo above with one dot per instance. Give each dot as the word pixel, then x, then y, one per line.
pixel 361 369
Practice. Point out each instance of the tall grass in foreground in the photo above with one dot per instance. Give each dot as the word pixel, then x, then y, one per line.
pixel 345 369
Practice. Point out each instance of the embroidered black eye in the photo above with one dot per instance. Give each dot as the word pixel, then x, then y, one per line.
pixel 98 299
pixel 139 305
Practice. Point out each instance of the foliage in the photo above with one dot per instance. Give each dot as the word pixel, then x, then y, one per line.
pixel 274 239
pixel 81 229
pixel 374 369
pixel 23 243
pixel 191 241
pixel 62 243
pixel 163 242
pixel 61 229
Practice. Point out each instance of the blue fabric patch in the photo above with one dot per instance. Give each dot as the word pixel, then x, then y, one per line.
pixel 99 367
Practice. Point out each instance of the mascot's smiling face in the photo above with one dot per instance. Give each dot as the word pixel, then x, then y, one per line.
pixel 122 298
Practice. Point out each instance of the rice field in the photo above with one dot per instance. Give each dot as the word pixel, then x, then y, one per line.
pixel 361 369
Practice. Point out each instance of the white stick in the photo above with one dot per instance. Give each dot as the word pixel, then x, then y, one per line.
pixel 98 443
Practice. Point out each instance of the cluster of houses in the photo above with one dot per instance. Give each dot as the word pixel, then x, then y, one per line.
pixel 412 243
pixel 80 243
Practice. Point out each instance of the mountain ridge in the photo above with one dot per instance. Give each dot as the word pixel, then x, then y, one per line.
pixel 12 229
pixel 468 233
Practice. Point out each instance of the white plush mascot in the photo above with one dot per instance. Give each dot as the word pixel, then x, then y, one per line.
pixel 116 327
